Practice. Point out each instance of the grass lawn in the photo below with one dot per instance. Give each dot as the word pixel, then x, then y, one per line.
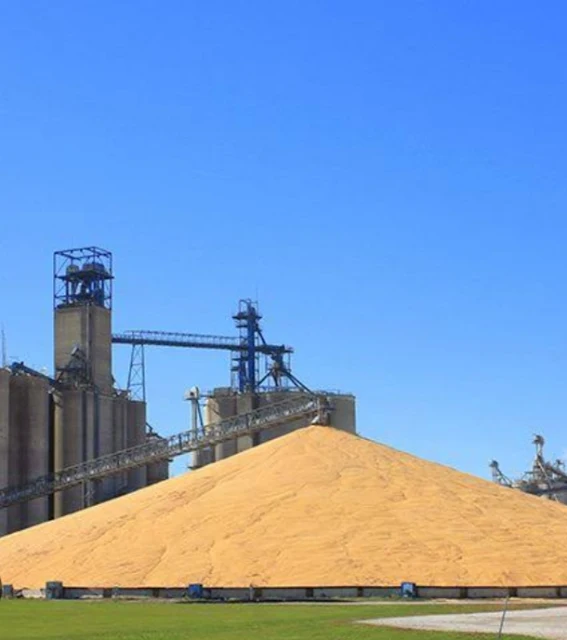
pixel 64 620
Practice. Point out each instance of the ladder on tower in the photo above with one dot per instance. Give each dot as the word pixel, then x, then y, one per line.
pixel 316 408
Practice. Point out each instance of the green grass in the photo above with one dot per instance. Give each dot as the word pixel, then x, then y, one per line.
pixel 65 620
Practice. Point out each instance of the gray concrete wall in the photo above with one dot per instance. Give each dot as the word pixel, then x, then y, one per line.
pixel 281 430
pixel 103 441
pixel 245 403
pixel 33 436
pixel 28 446
pixel 14 517
pixel 335 592
pixel 82 424
pixel 58 449
pixel 282 593
pixel 222 406
pixel 202 457
pixel 225 403
pixel 441 592
pixel 76 593
pixel 138 478
pixel 538 592
pixel 89 425
pixel 487 592
pixel 380 592
pixel 307 593
pixel 71 429
pixel 344 414
pixel 83 431
pixel 230 593
pixel 89 327
pixel 158 471
pixel 120 436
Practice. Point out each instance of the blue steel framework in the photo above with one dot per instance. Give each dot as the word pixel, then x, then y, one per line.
pixel 247 349
pixel 82 276
pixel 246 361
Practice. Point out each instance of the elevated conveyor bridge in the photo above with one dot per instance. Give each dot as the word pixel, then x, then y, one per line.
pixel 313 407
pixel 194 341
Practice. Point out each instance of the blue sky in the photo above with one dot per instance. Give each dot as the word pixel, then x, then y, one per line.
pixel 387 178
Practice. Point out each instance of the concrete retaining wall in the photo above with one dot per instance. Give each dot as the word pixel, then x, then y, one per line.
pixel 313 593
pixel 380 592
pixel 538 592
pixel 335 592
pixel 278 594
pixel 172 592
pixel 487 592
pixel 220 593
pixel 75 593
pixel 442 592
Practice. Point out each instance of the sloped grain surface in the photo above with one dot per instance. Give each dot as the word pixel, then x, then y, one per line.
pixel 316 507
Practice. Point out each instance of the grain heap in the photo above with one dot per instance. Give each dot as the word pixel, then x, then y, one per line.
pixel 316 507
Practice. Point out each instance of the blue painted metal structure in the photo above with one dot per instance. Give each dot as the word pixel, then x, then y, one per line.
pixel 82 276
pixel 245 361
pixel 247 348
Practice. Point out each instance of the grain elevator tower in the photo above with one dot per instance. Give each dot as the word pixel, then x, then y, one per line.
pixel 82 292
pixel 91 417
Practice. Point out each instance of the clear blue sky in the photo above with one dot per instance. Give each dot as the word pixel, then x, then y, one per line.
pixel 387 177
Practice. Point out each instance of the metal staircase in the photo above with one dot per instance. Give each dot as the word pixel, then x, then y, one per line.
pixel 315 407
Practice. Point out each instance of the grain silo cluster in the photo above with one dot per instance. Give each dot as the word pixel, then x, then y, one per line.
pixel 51 422
pixel 282 492
pixel 72 439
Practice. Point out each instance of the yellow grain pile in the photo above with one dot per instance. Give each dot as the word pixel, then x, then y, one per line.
pixel 316 507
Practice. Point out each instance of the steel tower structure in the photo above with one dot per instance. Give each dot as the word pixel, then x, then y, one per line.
pixel 544 479
pixel 248 349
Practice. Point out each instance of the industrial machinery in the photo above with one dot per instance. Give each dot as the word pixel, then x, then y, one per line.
pixel 545 479
pixel 249 350
pixel 260 376
pixel 82 276
pixel 91 441
pixel 75 414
